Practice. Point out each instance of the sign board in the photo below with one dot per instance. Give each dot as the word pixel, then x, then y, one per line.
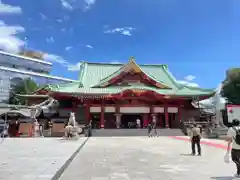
pixel 172 109
pixel 134 109
pixel 233 112
pixel 158 109
pixel 95 109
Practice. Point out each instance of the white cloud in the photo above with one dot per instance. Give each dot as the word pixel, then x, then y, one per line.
pixel 187 83
pixel 43 16
pixel 68 48
pixel 63 62
pixel 66 5
pixel 126 31
pixel 89 46
pixel 55 58
pixel 9 9
pixel 50 39
pixel 88 4
pixel 74 67
pixel 59 20
pixel 8 40
pixel 74 4
pixel 190 78
pixel 115 62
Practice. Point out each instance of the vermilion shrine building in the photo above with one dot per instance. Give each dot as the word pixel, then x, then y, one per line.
pixel 112 95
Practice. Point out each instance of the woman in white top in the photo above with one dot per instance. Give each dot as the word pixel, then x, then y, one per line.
pixel 232 138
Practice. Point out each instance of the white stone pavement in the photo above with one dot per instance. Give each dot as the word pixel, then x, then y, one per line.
pixel 142 158
pixel 34 158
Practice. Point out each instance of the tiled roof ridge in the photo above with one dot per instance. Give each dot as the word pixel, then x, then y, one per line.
pixel 117 64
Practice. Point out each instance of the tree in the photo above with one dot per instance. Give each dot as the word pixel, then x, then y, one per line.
pixel 231 86
pixel 25 87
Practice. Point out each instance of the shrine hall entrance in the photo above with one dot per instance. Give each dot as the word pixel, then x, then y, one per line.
pixel 96 120
pixel 173 121
pixel 129 121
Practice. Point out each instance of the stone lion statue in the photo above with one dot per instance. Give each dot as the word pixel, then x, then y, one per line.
pixel 72 130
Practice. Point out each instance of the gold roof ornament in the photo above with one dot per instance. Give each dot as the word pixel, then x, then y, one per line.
pixel 132 64
pixel 132 59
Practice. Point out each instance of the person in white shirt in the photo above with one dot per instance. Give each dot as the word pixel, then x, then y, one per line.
pixel 138 121
pixel 233 138
pixel 195 139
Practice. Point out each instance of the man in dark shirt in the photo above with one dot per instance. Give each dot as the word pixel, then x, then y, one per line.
pixel 149 129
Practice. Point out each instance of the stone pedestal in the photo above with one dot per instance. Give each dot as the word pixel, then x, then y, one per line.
pixel 36 130
pixel 118 120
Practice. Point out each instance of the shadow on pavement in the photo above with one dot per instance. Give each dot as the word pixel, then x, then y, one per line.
pixel 224 178
pixel 189 154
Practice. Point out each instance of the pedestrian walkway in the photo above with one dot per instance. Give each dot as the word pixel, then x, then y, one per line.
pixel 35 158
pixel 142 158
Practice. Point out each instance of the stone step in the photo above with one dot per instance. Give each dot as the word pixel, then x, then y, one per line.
pixel 134 132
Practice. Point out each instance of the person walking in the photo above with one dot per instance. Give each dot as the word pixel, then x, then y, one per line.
pixel 233 137
pixel 149 129
pixel 154 126
pixel 195 139
pixel 89 129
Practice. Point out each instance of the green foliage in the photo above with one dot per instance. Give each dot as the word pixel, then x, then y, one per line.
pixel 26 87
pixel 231 86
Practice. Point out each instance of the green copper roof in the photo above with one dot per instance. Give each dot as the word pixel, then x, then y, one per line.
pixel 91 75
pixel 131 65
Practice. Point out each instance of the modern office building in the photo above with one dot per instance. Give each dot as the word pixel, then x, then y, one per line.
pixel 15 68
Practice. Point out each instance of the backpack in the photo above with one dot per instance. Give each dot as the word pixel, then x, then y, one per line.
pixel 237 137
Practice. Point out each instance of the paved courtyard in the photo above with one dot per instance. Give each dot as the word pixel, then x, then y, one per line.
pixel 142 158
pixel 34 158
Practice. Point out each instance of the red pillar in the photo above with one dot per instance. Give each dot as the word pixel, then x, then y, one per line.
pixel 117 109
pixel 102 118
pixel 179 114
pixel 166 116
pixel 160 120
pixel 87 113
pixel 150 115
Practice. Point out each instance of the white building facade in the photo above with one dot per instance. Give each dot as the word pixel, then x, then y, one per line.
pixel 15 68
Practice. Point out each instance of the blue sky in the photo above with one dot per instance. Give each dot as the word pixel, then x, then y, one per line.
pixel 198 39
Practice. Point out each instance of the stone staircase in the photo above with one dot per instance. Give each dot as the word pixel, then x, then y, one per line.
pixel 134 132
